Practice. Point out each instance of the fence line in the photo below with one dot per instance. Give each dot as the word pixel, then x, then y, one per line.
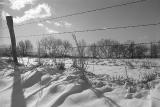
pixel 92 30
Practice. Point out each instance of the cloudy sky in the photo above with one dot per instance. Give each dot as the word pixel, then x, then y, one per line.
pixel 24 11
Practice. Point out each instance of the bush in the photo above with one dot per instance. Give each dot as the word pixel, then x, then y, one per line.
pixel 10 60
pixel 60 66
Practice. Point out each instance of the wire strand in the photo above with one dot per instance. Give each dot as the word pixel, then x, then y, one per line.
pixel 92 30
pixel 83 12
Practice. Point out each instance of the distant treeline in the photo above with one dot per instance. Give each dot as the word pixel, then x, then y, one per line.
pixel 105 48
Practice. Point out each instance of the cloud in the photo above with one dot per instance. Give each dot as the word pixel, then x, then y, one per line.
pixel 4 14
pixel 48 22
pixel 67 24
pixel 57 24
pixel 62 24
pixel 2 3
pixel 48 30
pixel 40 24
pixel 41 11
pixel 19 4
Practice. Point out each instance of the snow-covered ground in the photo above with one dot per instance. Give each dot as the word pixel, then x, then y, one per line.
pixel 113 67
pixel 46 86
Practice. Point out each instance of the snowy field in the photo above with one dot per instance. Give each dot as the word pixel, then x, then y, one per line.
pixel 110 83
pixel 113 67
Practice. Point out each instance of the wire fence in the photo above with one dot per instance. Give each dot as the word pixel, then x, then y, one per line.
pixel 91 55
pixel 81 13
pixel 94 51
pixel 88 30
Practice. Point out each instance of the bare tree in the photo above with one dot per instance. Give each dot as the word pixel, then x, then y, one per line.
pixel 67 47
pixel 41 51
pixel 24 47
pixel 82 48
pixel 29 47
pixel 140 51
pixel 43 45
pixel 92 50
pixel 154 50
pixel 107 48
pixel 21 48
pixel 53 47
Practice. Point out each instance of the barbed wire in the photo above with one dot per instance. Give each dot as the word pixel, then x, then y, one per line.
pixel 92 30
pixel 81 13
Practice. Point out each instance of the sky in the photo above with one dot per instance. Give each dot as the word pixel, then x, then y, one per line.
pixel 24 11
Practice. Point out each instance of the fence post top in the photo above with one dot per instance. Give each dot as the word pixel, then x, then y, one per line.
pixel 9 18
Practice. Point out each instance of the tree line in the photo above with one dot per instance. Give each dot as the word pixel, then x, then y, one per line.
pixel 104 48
pixel 24 48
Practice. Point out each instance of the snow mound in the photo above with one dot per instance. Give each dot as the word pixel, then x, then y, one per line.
pixel 48 87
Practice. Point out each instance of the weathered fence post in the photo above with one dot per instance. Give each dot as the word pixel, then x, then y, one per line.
pixel 17 99
pixel 12 36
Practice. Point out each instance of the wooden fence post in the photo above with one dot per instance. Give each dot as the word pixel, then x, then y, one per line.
pixel 12 36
